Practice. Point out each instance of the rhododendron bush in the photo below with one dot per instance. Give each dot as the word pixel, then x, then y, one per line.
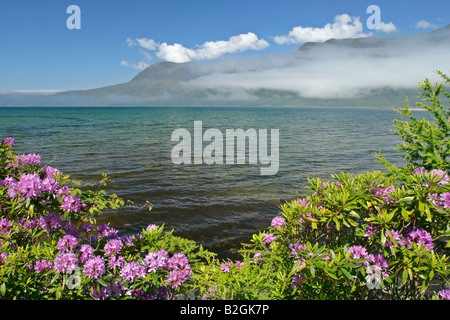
pixel 377 235
pixel 52 248
pixel 358 237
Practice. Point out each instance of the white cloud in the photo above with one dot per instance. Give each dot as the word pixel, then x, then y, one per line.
pixel 148 44
pixel 145 63
pixel 208 50
pixel 387 27
pixel 31 92
pixel 336 72
pixel 140 65
pixel 343 26
pixel 423 24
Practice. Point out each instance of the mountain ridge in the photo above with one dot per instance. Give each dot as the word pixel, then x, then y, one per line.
pixel 169 83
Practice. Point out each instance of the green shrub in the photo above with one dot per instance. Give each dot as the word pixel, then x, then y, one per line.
pixel 51 247
pixel 371 236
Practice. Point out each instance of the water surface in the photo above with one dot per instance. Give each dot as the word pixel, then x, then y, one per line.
pixel 218 206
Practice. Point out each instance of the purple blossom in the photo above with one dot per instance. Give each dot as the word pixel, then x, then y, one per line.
pixel 116 262
pixel 378 260
pixel 305 222
pixel 419 170
pixel 8 182
pixel 445 199
pixel 278 222
pixel 94 268
pixel 371 230
pixel 67 243
pixel 63 191
pixel 8 141
pixel 113 246
pixel 268 238
pixel 296 248
pixel 127 240
pixel 49 185
pixel 444 178
pixel 442 200
pixel 303 202
pixel 28 187
pixel 179 269
pixel 43 265
pixel 358 252
pixel 257 257
pixel 384 194
pixel 87 227
pixel 225 267
pixel 140 294
pixel 5 223
pixel 151 227
pixel 177 276
pixel 71 204
pixel 297 280
pixel 30 159
pixel 164 292
pixel 377 267
pixel 107 291
pixel 419 236
pixel 50 171
pixel 3 256
pixel 27 224
pixel 54 221
pixel 87 252
pixel 131 270
pixel 106 231
pixel 65 262
pixel 444 294
pixel 156 260
pixel 177 261
pixel 397 236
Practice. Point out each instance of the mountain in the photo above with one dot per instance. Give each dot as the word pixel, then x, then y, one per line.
pixel 367 71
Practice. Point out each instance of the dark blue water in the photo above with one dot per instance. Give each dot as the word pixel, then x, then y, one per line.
pixel 218 206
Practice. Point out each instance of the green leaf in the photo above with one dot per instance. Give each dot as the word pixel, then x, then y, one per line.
pixel 312 269
pixel 405 214
pixel 332 276
pixel 347 274
pixel 354 214
pixel 404 276
pixel 406 199
pixel 102 282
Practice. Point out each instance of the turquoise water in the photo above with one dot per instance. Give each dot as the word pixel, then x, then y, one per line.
pixel 218 206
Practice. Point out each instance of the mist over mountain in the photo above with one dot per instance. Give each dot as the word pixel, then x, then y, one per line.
pixel 368 71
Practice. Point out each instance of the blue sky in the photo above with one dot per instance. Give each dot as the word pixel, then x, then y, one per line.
pixel 117 37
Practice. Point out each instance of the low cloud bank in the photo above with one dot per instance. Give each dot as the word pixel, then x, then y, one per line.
pixel 331 70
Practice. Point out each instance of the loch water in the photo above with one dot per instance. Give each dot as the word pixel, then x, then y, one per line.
pixel 217 205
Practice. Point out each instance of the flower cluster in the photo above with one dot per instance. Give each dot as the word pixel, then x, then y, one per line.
pixel 384 193
pixel 278 222
pixel 376 265
pixel 100 257
pixel 30 159
pixel 359 228
pixel 442 176
pixel 33 186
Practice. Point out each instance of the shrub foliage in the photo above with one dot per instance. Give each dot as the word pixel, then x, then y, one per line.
pixel 378 235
